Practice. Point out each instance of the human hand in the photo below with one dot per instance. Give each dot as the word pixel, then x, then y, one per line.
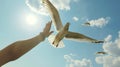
pixel 46 31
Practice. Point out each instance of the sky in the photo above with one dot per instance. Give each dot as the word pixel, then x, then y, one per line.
pixel 102 15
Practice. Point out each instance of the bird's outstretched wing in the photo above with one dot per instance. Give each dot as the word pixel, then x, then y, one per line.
pixel 51 39
pixel 53 14
pixel 81 37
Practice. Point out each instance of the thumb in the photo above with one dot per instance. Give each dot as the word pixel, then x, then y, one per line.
pixel 50 33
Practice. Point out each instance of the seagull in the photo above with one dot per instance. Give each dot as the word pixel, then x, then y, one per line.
pixel 63 30
pixel 86 24
pixel 101 53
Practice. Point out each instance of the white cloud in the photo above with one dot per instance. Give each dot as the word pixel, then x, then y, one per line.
pixel 113 50
pixel 37 7
pixel 108 61
pixel 62 4
pixel 75 18
pixel 108 38
pixel 77 63
pixel 100 22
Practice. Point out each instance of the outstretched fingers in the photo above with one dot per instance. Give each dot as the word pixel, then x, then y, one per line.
pixel 47 28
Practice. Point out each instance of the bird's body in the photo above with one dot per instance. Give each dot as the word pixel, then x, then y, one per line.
pixel 61 34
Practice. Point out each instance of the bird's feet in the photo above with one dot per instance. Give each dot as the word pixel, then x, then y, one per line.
pixel 56 45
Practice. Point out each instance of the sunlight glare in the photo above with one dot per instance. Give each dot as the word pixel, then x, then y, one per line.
pixel 31 19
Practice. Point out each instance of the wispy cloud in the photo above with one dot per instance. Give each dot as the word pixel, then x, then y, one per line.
pixel 37 7
pixel 76 62
pixel 100 22
pixel 75 18
pixel 113 50
pixel 62 4
pixel 108 38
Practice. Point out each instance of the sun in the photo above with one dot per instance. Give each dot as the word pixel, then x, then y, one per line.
pixel 31 19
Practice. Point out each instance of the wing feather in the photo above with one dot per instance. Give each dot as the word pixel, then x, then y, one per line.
pixel 54 15
pixel 81 37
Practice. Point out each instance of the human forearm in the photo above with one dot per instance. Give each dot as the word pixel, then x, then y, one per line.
pixel 19 48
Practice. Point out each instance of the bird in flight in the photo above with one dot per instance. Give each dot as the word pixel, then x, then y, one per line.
pixel 101 53
pixel 87 24
pixel 63 31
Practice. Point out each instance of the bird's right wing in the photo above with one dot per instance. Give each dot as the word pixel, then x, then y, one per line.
pixel 53 14
pixel 81 37
pixel 51 39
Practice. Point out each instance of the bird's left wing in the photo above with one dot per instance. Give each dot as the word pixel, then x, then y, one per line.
pixel 53 14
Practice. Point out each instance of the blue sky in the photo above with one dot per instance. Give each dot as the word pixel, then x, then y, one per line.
pixel 14 26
